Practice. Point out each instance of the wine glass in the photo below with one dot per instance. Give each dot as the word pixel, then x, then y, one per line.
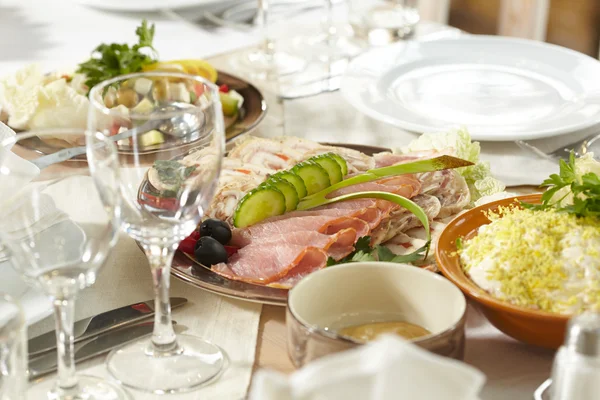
pixel 336 40
pixel 57 234
pixel 169 165
pixel 267 61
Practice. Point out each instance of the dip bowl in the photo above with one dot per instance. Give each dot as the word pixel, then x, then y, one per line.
pixel 365 292
pixel 528 325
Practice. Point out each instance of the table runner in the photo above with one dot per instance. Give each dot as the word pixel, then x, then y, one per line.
pixel 126 279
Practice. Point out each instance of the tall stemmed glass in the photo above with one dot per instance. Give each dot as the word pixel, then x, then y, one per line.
pixel 164 194
pixel 57 234
pixel 267 61
pixel 335 41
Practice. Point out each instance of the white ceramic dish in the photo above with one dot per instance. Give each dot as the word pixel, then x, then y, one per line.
pixel 502 89
pixel 145 5
pixel 363 292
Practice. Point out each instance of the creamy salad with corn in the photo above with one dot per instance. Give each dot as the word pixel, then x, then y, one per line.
pixel 544 256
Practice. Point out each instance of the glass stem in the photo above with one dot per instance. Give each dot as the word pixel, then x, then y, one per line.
pixel 268 45
pixel 164 341
pixel 330 30
pixel 64 310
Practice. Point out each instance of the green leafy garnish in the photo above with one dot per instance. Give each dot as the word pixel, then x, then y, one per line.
pixel 364 252
pixel 172 173
pixel 112 60
pixel 570 192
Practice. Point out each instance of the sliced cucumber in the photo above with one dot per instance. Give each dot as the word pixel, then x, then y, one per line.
pixel 294 180
pixel 314 176
pixel 341 161
pixel 331 166
pixel 288 190
pixel 257 205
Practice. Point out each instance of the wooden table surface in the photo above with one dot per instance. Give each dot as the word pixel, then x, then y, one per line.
pixel 271 351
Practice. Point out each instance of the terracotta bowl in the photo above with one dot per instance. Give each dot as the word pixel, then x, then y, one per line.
pixel 362 292
pixel 527 325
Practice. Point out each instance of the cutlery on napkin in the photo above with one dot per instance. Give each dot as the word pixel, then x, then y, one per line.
pixel 99 324
pixel 389 368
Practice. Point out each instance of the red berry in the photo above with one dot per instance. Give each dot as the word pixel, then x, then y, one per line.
pixel 187 245
pixel 224 88
pixel 231 250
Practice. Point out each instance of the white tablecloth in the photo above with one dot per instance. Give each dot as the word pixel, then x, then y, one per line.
pixel 61 32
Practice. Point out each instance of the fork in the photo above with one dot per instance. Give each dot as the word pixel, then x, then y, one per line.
pixel 579 148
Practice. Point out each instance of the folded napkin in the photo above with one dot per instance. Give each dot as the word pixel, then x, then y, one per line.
pixel 24 210
pixel 388 368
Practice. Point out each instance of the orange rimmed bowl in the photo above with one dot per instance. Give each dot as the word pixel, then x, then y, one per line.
pixel 528 325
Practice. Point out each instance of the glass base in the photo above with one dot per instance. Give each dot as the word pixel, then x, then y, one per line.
pixel 327 48
pixel 88 388
pixel 259 64
pixel 194 364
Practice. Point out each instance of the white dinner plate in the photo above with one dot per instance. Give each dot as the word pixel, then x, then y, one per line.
pixel 501 89
pixel 145 5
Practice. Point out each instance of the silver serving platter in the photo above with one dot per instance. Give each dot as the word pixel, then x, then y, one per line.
pixel 188 270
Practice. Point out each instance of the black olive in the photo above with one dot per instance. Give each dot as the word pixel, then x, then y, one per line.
pixel 209 251
pixel 216 229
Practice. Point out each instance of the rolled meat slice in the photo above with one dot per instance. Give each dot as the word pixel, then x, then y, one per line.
pixel 405 186
pixel 317 223
pixel 229 193
pixel 372 215
pixel 269 153
pixel 271 262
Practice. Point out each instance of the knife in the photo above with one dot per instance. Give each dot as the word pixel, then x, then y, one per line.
pixel 101 323
pixel 85 350
pixel 71 152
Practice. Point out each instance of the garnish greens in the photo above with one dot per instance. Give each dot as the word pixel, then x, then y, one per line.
pixel 172 173
pixel 112 60
pixel 478 176
pixel 364 252
pixel 569 192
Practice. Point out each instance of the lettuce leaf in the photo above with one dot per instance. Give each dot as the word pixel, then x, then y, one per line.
pixel 458 142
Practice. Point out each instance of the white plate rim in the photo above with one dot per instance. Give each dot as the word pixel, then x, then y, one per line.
pixel 144 5
pixel 348 82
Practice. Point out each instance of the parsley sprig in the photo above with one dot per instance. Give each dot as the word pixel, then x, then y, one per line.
pixel 585 191
pixel 364 252
pixel 112 60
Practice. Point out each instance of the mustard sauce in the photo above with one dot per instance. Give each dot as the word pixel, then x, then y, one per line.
pixel 370 331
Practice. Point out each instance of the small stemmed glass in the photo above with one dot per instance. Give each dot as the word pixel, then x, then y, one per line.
pixel 164 195
pixel 57 234
pixel 267 61
pixel 336 40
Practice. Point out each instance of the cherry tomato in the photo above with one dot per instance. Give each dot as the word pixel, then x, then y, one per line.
pixel 231 250
pixel 195 235
pixel 164 203
pixel 187 245
pixel 198 89
pixel 224 88
pixel 114 128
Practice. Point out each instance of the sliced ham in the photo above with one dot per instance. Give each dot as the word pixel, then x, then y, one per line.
pixel 387 159
pixel 372 215
pixel 269 263
pixel 317 223
pixel 337 246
